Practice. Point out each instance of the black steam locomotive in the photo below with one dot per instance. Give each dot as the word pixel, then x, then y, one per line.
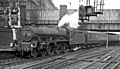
pixel 33 41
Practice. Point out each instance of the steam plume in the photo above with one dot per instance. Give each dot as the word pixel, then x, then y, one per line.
pixel 71 19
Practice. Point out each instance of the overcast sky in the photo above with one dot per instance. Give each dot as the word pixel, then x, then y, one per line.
pixel 73 19
pixel 109 4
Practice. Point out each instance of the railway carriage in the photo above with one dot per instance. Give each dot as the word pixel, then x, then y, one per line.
pixel 114 39
pixel 96 39
pixel 100 39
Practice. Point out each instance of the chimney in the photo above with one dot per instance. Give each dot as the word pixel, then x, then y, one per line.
pixel 63 10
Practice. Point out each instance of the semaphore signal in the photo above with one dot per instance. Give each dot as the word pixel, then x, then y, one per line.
pixel 88 10
pixel 14 17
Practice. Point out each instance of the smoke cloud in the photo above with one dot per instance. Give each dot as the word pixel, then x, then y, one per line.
pixel 71 19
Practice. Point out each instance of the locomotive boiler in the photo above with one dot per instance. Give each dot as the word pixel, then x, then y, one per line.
pixel 41 40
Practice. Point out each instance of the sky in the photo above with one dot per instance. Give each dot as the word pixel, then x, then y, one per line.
pixel 109 4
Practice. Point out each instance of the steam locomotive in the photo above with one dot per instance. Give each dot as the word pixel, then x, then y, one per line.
pixel 33 41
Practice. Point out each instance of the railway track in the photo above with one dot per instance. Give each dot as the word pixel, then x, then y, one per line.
pixel 18 61
pixel 46 62
pixel 61 61
pixel 109 61
pixel 7 61
pixel 73 60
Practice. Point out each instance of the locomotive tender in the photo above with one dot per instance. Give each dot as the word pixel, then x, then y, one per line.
pixel 33 41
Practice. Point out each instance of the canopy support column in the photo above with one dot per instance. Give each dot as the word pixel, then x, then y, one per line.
pixel 107 40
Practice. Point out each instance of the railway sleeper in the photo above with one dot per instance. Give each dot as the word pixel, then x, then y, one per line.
pixel 87 60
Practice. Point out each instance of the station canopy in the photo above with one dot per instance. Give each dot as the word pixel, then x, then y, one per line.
pixel 114 33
